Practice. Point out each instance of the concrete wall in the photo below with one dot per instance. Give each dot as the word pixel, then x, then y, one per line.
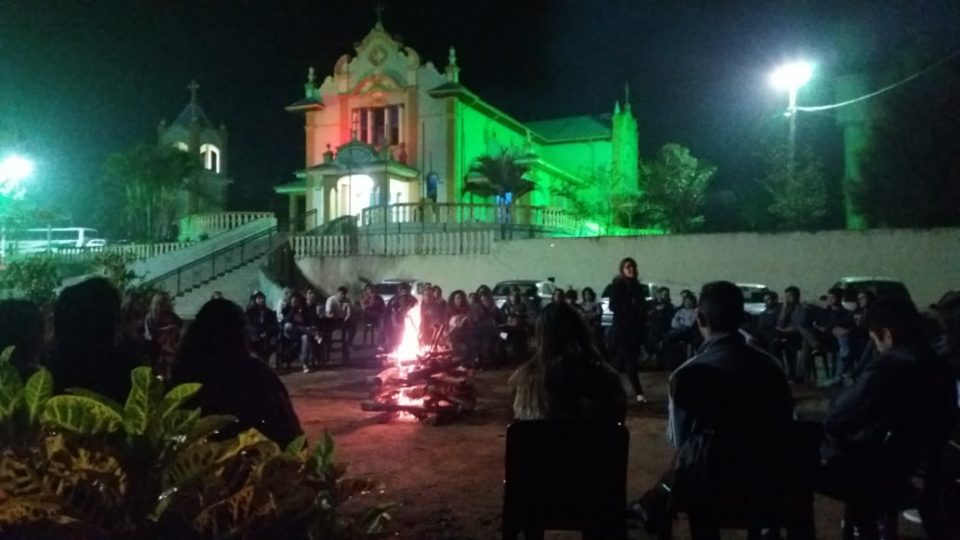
pixel 928 261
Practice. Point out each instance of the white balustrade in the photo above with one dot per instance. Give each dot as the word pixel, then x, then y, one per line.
pixel 197 225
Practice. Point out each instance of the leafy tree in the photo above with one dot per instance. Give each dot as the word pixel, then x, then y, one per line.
pixel 911 166
pixel 500 176
pixel 141 187
pixel 34 278
pixel 800 200
pixel 601 197
pixel 675 185
pixel 116 267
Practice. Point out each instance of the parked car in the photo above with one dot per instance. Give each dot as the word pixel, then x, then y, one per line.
pixel 607 318
pixel 883 287
pixel 387 288
pixel 753 294
pixel 537 293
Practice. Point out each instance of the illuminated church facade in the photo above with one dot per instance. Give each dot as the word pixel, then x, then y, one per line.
pixel 387 128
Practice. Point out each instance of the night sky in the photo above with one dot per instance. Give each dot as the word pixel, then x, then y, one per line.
pixel 79 80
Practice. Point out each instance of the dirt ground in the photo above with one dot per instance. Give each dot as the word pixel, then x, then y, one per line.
pixel 447 480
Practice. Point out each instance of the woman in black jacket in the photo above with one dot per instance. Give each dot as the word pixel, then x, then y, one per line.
pixel 629 305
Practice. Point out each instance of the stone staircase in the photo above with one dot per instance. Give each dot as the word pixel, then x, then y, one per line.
pixel 236 285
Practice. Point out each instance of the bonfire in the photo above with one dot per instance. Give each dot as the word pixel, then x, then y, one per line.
pixel 422 378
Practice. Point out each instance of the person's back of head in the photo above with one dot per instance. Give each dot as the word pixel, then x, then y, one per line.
pixel 721 307
pixel 567 378
pixel 948 313
pixel 21 327
pixel 87 326
pixel 894 321
pixel 214 340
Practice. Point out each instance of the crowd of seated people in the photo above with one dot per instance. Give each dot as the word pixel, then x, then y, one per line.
pixel 798 333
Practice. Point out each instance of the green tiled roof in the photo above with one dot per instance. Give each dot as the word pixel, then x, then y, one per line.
pixel 595 126
pixel 297 186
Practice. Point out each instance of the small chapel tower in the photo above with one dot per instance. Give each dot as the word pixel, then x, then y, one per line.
pixel 625 143
pixel 193 132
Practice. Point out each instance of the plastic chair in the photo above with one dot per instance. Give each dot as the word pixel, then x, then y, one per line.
pixel 565 476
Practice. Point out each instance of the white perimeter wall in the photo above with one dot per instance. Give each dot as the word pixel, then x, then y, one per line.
pixel 928 261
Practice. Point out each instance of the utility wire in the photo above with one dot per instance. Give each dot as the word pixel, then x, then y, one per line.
pixel 942 61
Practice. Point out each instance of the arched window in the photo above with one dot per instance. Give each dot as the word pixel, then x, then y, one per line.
pixel 211 157
pixel 182 146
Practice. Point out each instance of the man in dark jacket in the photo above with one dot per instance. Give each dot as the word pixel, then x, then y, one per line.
pixel 731 414
pixel 880 431
pixel 628 304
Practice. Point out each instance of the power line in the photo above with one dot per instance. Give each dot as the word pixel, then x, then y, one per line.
pixel 942 61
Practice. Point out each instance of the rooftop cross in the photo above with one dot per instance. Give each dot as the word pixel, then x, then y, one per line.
pixel 379 11
pixel 193 87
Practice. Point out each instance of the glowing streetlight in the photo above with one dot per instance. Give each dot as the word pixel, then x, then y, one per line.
pixel 791 77
pixel 14 170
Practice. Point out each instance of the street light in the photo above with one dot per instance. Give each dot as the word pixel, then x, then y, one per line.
pixel 791 77
pixel 14 170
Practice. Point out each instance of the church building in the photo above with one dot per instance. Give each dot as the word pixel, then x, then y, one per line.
pixel 193 132
pixel 387 128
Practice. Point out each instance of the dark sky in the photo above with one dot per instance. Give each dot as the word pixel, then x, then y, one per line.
pixel 81 79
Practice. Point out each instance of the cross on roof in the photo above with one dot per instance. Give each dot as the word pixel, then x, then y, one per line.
pixel 193 87
pixel 379 11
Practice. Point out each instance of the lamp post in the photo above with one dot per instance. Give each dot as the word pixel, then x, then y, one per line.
pixel 791 77
pixel 14 170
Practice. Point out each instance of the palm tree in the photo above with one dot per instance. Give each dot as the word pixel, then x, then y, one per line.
pixel 502 177
pixel 148 180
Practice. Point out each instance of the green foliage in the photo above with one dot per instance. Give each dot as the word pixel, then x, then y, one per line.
pixel 83 466
pixel 490 176
pixel 675 187
pixel 602 198
pixel 34 278
pixel 115 266
pixel 800 201
pixel 141 187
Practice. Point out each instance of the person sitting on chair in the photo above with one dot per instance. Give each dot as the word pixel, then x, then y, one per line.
pixel 881 429
pixel 730 415
pixel 262 327
pixel 567 378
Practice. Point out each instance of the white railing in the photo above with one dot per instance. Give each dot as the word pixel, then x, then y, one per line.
pixel 194 226
pixel 170 261
pixel 470 215
pixel 139 251
pixel 321 246
pixel 474 242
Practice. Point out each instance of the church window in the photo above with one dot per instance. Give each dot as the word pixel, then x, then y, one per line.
pixel 211 157
pixel 182 146
pixel 378 125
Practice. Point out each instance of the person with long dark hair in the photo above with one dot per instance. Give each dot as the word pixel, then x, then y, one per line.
pixel 214 353
pixel 567 378
pixel 629 305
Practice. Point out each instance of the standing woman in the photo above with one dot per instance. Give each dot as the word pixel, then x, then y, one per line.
pixel 162 327
pixel 629 305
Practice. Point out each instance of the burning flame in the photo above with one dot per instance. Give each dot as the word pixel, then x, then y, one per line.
pixel 405 355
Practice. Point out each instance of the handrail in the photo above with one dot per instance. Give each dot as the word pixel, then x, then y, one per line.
pixel 245 256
